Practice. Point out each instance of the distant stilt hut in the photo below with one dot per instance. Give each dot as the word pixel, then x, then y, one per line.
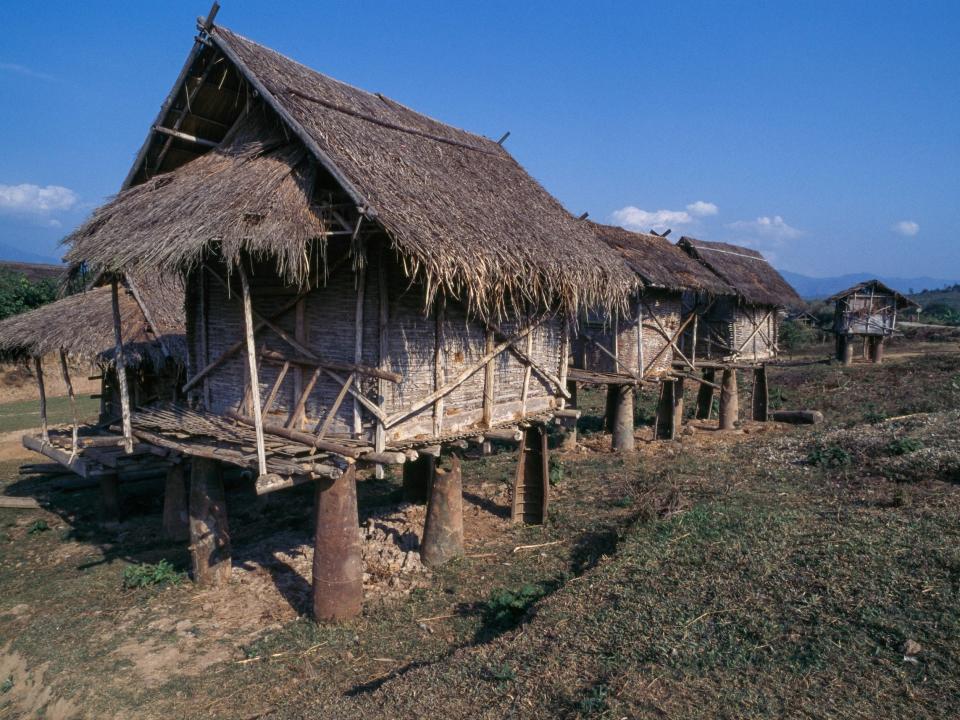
pixel 84 327
pixel 738 331
pixel 868 311
pixel 643 344
pixel 364 285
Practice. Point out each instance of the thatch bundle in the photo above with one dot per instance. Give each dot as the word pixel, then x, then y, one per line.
pixel 82 325
pixel 465 217
pixel 660 263
pixel 745 270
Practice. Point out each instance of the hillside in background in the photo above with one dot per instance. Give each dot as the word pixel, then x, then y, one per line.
pixel 811 288
pixel 9 252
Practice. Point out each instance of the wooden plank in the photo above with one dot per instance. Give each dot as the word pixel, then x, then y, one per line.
pixel 121 368
pixel 252 364
pixel 19 503
pixel 74 463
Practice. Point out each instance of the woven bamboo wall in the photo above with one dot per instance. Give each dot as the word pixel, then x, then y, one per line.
pixel 411 344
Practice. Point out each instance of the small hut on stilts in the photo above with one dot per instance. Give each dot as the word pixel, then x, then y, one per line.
pixel 642 346
pixel 132 330
pixel 364 285
pixel 736 332
pixel 868 311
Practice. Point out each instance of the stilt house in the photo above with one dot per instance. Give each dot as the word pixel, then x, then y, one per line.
pixel 741 328
pixel 81 328
pixel 867 310
pixel 644 342
pixel 361 279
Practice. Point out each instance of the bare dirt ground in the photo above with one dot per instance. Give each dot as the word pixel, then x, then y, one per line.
pixel 521 624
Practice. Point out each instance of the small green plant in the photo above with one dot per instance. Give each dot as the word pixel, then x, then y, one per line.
pixel 506 607
pixel 777 399
pixel 903 446
pixel 145 574
pixel 7 685
pixel 503 673
pixel 873 416
pixel 38 527
pixel 595 701
pixel 556 471
pixel 830 456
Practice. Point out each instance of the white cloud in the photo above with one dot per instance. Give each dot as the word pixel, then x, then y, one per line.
pixel 702 209
pixel 33 199
pixel 633 218
pixel 907 227
pixel 774 228
pixel 25 71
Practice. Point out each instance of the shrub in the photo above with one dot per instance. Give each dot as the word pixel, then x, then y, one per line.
pixel 144 574
pixel 505 607
pixel 38 527
pixel 903 446
pixel 831 456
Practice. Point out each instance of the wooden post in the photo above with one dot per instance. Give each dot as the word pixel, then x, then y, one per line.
pixel 664 425
pixel 209 534
pixel 846 349
pixel 44 429
pixel 677 406
pixel 252 369
pixel 488 382
pixel 729 402
pixel 876 349
pixel 623 419
pixel 443 528
pixel 417 478
pixel 337 565
pixel 65 371
pixel 439 370
pixel 109 498
pixel 610 409
pixel 300 333
pixel 204 336
pixel 761 394
pixel 383 320
pixel 118 361
pixel 705 395
pixel 531 486
pixel 176 516
pixel 569 441
pixel 358 346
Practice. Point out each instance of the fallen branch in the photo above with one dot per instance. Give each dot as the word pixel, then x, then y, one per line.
pixel 518 548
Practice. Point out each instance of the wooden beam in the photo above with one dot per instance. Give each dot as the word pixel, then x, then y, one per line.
pixel 120 365
pixel 299 436
pixel 71 462
pixel 439 366
pixel 383 320
pixel 298 411
pixel 276 388
pixel 186 137
pixel 281 357
pixel 299 332
pixel 527 370
pixel 358 343
pixel 252 364
pixel 335 408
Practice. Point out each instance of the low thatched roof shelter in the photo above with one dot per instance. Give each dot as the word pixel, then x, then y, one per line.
pixel 746 271
pixel 877 288
pixel 81 325
pixel 463 214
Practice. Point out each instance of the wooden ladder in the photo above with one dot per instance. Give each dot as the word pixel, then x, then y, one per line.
pixel 531 487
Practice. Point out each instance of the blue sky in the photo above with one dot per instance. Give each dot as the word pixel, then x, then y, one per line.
pixel 825 134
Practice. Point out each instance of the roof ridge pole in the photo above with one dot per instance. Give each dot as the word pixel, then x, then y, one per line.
pixel 118 360
pixel 252 361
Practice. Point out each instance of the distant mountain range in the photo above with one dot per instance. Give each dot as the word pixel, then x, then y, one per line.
pixel 812 288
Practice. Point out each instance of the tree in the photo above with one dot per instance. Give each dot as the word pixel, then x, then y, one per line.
pixel 18 294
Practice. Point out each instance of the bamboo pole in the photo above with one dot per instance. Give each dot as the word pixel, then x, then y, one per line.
pixel 44 430
pixel 358 348
pixel 383 319
pixel 439 369
pixel 121 368
pixel 252 364
pixel 73 400
pixel 488 379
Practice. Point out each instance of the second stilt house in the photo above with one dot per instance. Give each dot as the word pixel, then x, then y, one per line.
pixel 867 311
pixel 741 327
pixel 363 281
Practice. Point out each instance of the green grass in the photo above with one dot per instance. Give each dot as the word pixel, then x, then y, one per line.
pixel 25 414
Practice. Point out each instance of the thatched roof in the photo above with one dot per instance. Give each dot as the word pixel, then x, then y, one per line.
pixel 660 263
pixel 745 270
pixel 82 324
pixel 878 287
pixel 462 212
